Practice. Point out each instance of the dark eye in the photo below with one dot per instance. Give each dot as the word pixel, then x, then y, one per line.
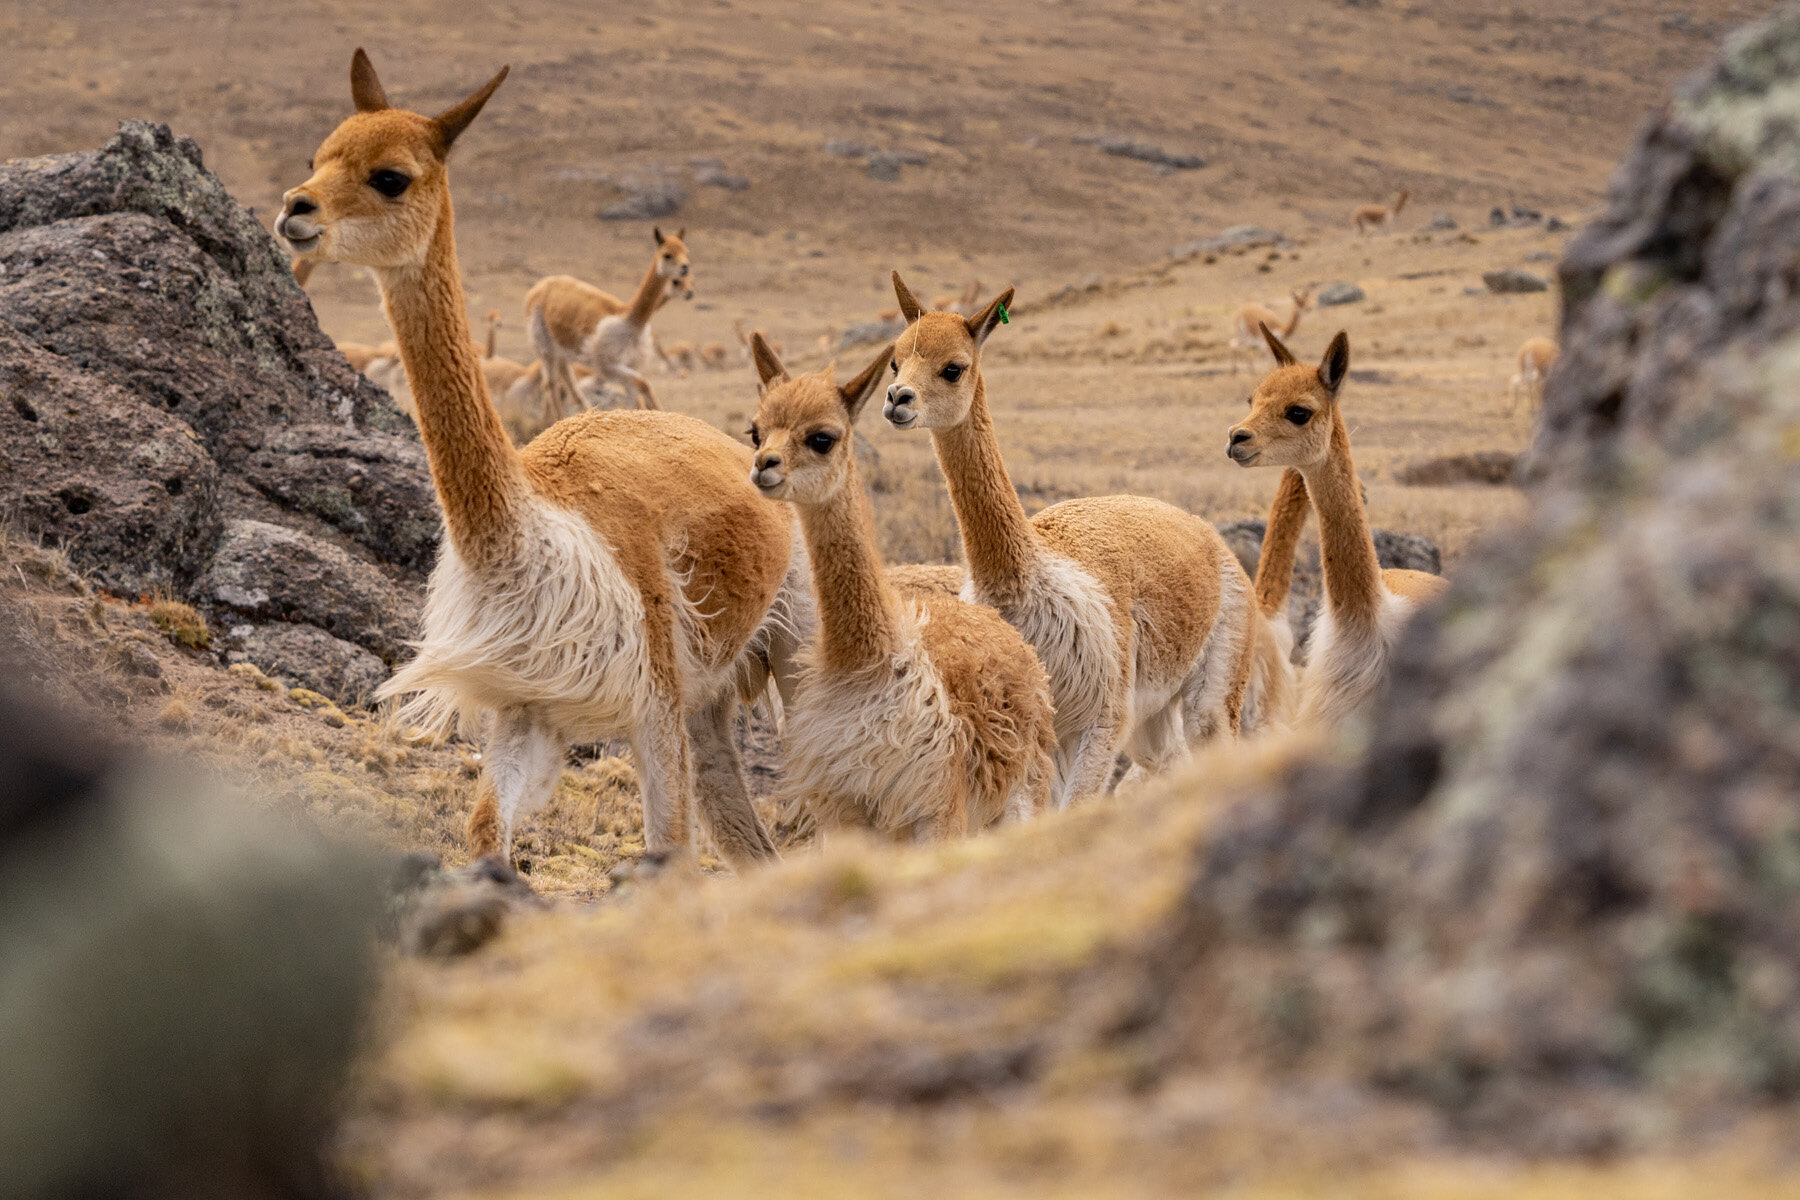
pixel 755 437
pixel 896 365
pixel 309 164
pixel 389 183
pixel 1298 415
pixel 952 373
pixel 821 443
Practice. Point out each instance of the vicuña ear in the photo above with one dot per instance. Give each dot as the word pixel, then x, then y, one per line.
pixel 1283 356
pixel 365 88
pixel 856 393
pixel 681 234
pixel 656 232
pixel 768 367
pixel 910 308
pixel 985 321
pixel 1336 363
pixel 453 120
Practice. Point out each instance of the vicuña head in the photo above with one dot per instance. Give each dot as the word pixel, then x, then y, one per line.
pixel 802 427
pixel 1284 428
pixel 936 362
pixel 672 261
pixel 379 185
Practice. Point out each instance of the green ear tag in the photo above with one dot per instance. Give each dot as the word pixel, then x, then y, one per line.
pixel 1003 317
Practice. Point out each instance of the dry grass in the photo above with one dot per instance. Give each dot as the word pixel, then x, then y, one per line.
pixel 180 623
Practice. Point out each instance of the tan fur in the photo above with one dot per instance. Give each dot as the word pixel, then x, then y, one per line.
pixel 1377 216
pixel 743 337
pixel 619 577
pixel 1536 357
pixel 1297 420
pixel 359 354
pixel 303 269
pixel 714 356
pixel 918 715
pixel 1139 612
pixel 967 304
pixel 1251 317
pixel 562 312
pixel 927 579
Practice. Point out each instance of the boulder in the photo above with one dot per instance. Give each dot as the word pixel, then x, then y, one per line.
pixel 272 572
pixel 1341 292
pixel 1237 238
pixel 662 198
pixel 163 374
pixel 1441 222
pixel 308 656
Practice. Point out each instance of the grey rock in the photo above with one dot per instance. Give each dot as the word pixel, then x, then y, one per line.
pixel 310 657
pixel 1556 225
pixel 871 331
pixel 884 166
pixel 842 148
pixel 719 177
pixel 272 572
pixel 1236 238
pixel 1510 280
pixel 1341 292
pixel 1441 222
pixel 661 198
pixel 374 487
pixel 1124 147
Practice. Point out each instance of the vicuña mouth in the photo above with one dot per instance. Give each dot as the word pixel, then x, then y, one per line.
pixel 1250 460
pixel 900 418
pixel 304 245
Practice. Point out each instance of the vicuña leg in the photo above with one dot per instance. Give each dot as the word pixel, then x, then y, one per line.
pixel 719 785
pixel 666 777
pixel 522 763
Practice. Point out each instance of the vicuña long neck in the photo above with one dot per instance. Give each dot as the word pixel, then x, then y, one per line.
pixel 648 299
pixel 1293 321
pixel 1353 585
pixel 1275 566
pixel 997 537
pixel 858 627
pixel 480 482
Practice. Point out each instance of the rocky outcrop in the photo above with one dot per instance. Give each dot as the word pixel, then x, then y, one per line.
pixel 163 379
pixel 1553 897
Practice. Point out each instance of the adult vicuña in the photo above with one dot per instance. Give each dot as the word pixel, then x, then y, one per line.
pixel 1379 216
pixel 617 577
pixel 1139 612
pixel 1297 420
pixel 917 715
pixel 563 313
pixel 1245 339
pixel 1536 357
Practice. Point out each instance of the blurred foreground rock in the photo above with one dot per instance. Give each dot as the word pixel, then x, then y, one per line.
pixel 1557 894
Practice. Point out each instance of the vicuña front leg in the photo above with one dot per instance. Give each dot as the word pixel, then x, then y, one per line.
pixel 646 397
pixel 518 774
pixel 725 803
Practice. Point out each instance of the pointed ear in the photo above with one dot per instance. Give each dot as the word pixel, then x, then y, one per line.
pixel 1336 363
pixel 365 88
pixel 984 322
pixel 856 393
pixel 453 120
pixel 656 232
pixel 1283 356
pixel 768 367
pixel 910 308
pixel 681 234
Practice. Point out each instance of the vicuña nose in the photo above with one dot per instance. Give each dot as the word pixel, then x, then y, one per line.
pixel 1240 436
pixel 765 461
pixel 684 270
pixel 900 393
pixel 299 206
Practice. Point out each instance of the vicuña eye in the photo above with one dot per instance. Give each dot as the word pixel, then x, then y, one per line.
pixel 821 443
pixel 1298 415
pixel 390 183
pixel 952 373
pixel 896 365
pixel 755 437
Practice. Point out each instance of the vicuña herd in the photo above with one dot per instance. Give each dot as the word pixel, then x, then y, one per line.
pixel 639 574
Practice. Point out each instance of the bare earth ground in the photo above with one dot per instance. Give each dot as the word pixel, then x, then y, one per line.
pixel 787 1034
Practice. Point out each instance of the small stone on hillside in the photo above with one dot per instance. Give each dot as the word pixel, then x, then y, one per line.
pixel 1512 279
pixel 1441 222
pixel 871 331
pixel 647 203
pixel 1341 292
pixel 308 656
pixel 1237 238
pixel 884 166
pixel 719 177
